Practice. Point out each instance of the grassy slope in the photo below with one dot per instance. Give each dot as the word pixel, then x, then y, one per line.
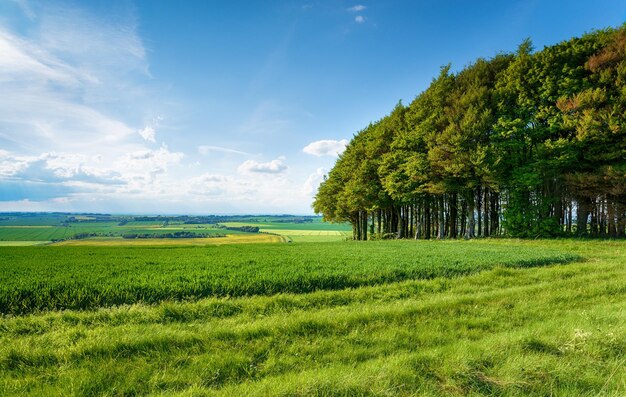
pixel 555 330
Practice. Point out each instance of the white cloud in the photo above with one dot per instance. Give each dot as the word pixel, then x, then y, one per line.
pixel 142 162
pixel 24 60
pixel 212 178
pixel 77 122
pixel 206 149
pixel 148 133
pixel 55 168
pixel 67 75
pixel 357 8
pixel 313 182
pixel 359 19
pixel 275 166
pixel 326 147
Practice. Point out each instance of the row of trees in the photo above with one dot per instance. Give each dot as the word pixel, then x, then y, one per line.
pixel 530 144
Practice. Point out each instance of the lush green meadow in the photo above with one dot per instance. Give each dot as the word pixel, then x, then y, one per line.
pixel 388 318
pixel 80 277
pixel 50 233
pixel 316 231
pixel 237 238
pixel 33 229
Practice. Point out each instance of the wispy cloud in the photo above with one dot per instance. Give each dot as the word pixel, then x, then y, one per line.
pixel 359 19
pixel 78 131
pixel 275 166
pixel 326 147
pixel 357 8
pixel 64 77
pixel 313 181
pixel 64 80
pixel 26 9
pixel 148 133
pixel 206 149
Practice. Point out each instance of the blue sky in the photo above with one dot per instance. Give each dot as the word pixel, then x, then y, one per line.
pixel 226 106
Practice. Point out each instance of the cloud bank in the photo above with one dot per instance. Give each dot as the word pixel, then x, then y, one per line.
pixel 272 167
pixel 326 147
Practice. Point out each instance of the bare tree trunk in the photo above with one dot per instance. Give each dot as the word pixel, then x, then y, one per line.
pixel 478 205
pixel 582 213
pixel 442 221
pixel 470 217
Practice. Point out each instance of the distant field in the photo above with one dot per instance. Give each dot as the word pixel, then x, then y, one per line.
pixel 15 229
pixel 49 233
pixel 390 318
pixel 302 232
pixel 29 220
pixel 21 243
pixel 321 226
pixel 229 239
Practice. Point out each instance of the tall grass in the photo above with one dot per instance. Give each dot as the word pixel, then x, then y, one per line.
pixel 56 278
pixel 506 331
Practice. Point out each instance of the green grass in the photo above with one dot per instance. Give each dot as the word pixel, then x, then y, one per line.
pixel 53 278
pixel 31 219
pixel 48 233
pixel 509 330
pixel 316 231
pixel 315 226
pixel 45 228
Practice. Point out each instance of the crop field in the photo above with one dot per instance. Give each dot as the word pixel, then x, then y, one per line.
pixel 31 220
pixel 316 231
pixel 44 278
pixel 389 318
pixel 241 238
pixel 16 230
pixel 49 233
pixel 314 226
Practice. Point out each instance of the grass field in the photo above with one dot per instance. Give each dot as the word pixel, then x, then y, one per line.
pixel 61 277
pixel 316 231
pixel 314 226
pixel 16 230
pixel 241 238
pixel 49 233
pixel 501 317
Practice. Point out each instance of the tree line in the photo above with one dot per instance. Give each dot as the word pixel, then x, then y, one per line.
pixel 524 144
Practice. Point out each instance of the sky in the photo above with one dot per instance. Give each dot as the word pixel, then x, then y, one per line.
pixel 227 107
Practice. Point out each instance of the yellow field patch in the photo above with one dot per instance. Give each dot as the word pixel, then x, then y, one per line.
pixel 288 232
pixel 27 227
pixel 21 243
pixel 229 239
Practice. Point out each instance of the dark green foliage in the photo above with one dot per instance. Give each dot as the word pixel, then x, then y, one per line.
pixel 179 234
pixel 247 229
pixel 531 144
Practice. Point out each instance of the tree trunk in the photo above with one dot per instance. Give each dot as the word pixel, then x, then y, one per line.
pixel 582 213
pixel 470 217
pixel 442 222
